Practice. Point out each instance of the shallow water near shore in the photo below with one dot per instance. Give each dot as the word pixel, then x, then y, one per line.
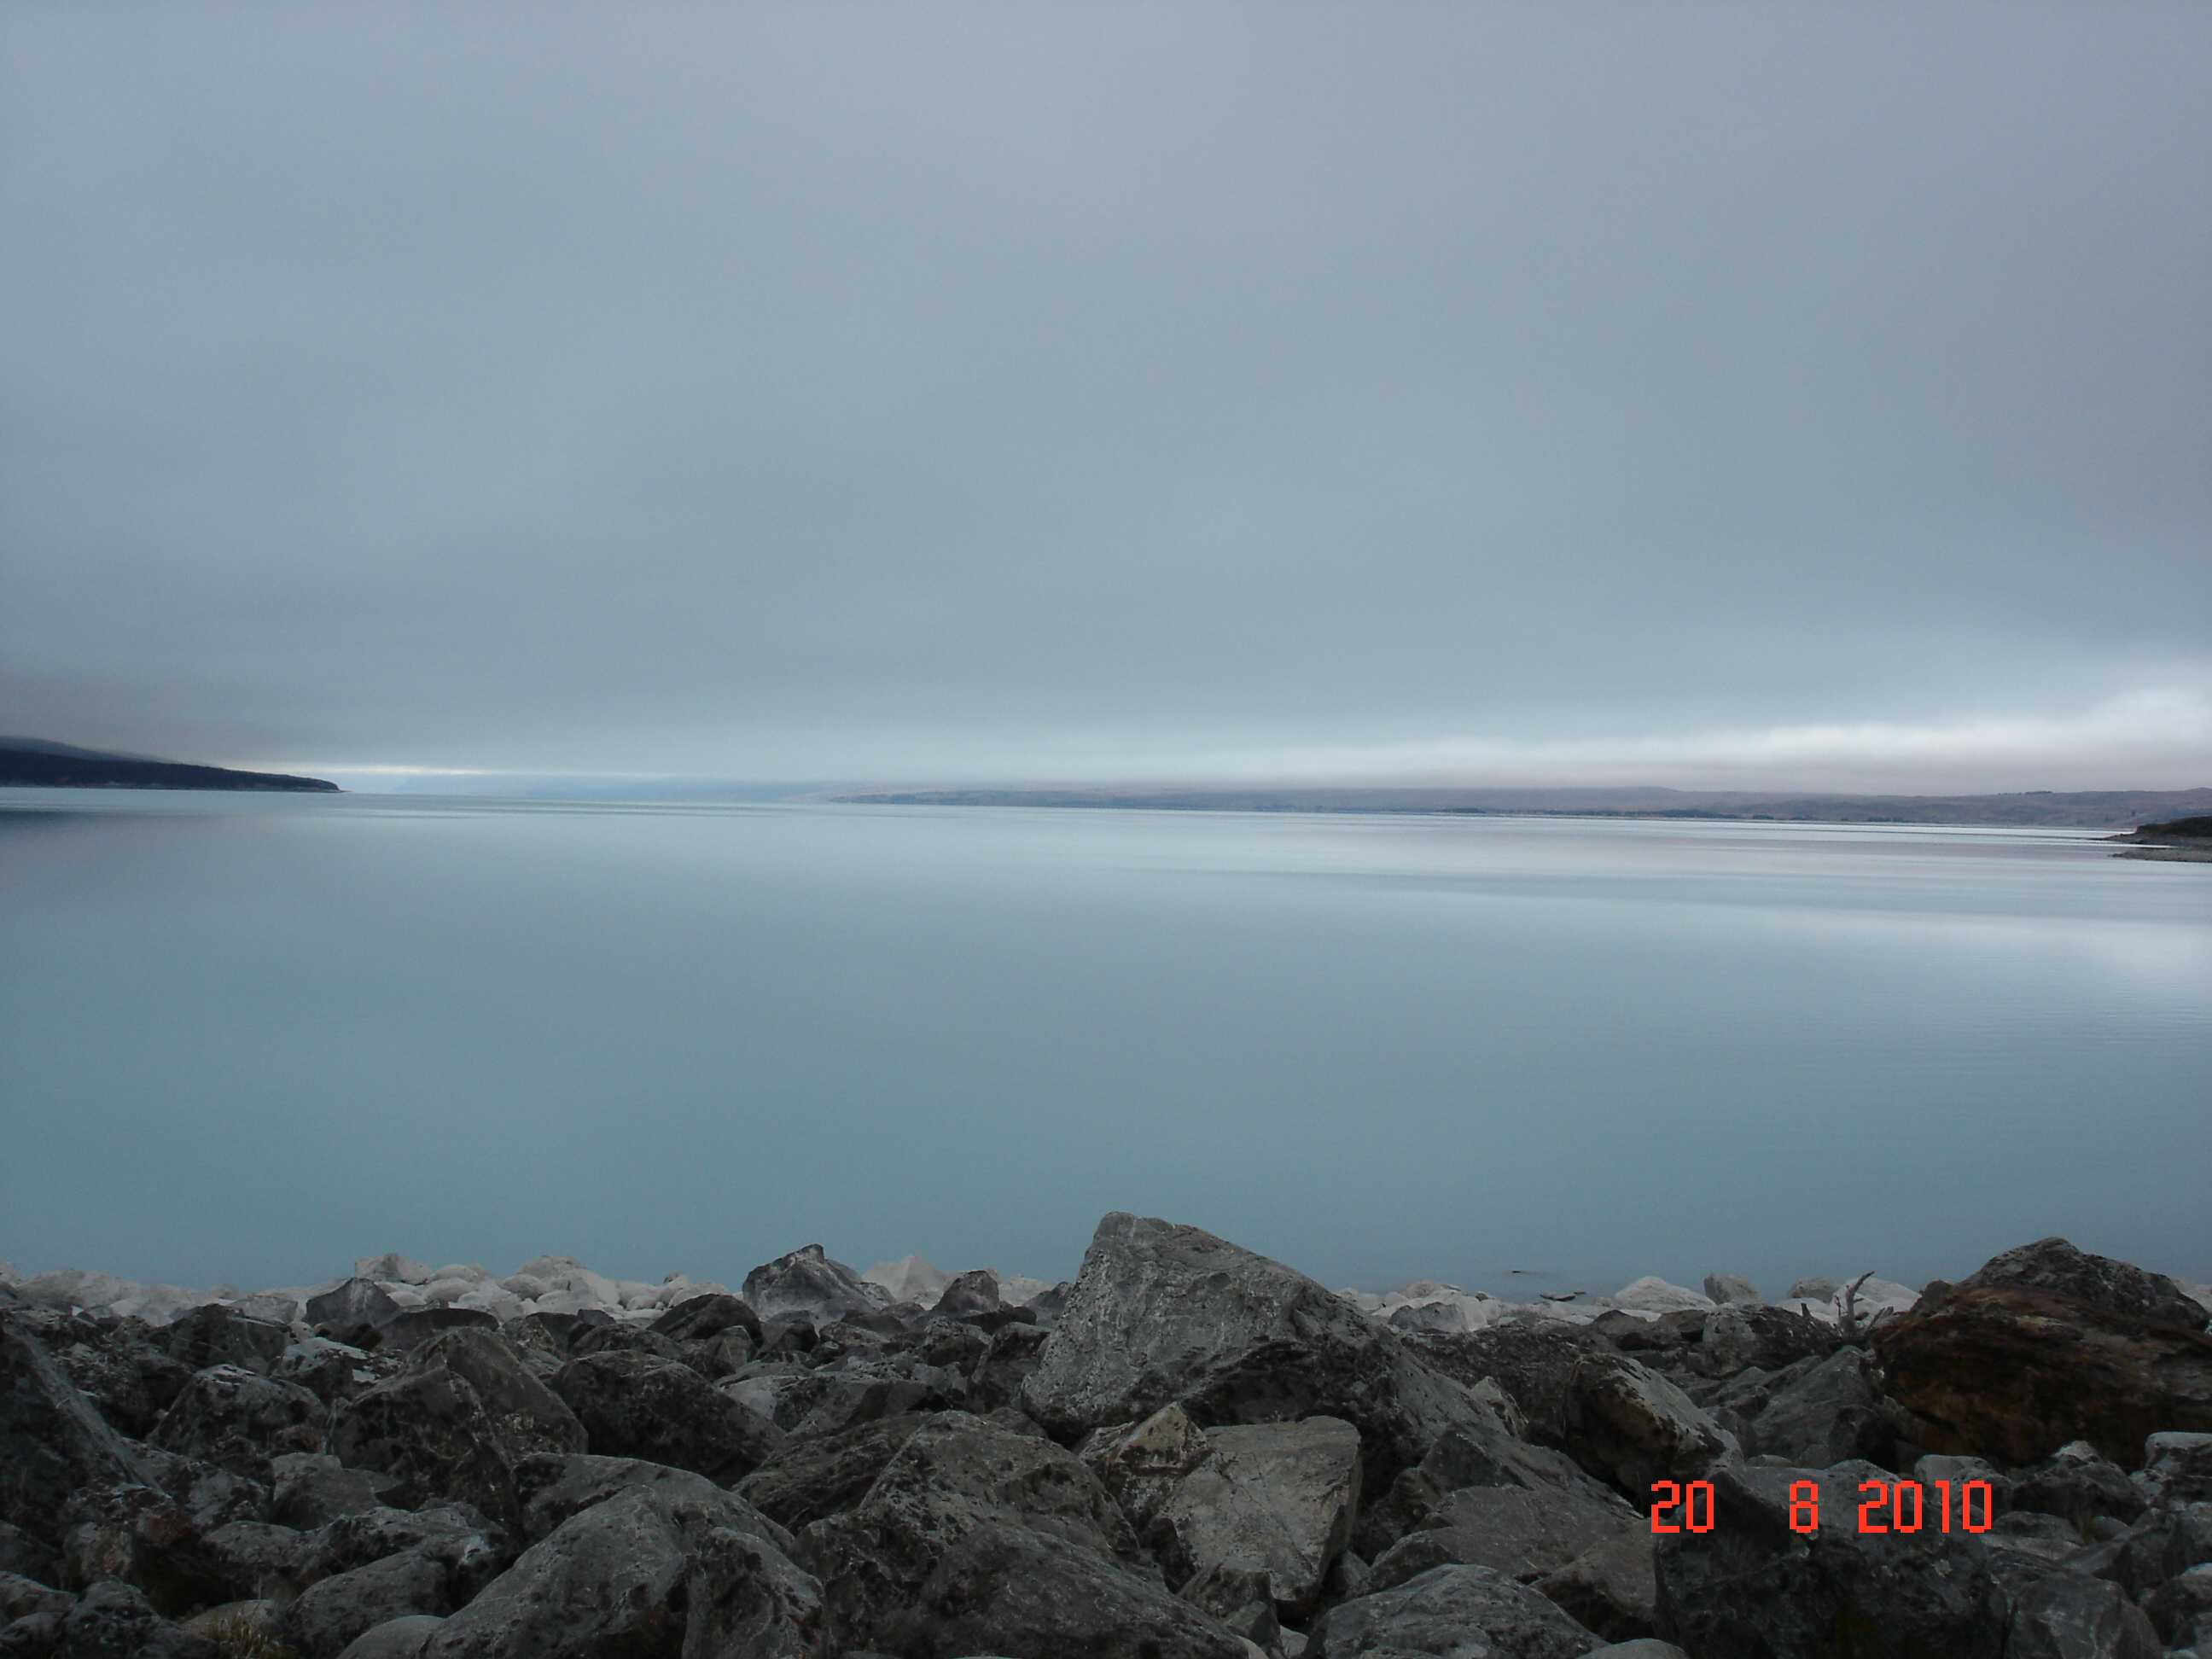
pixel 249 1037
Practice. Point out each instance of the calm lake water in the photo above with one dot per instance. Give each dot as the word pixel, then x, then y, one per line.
pixel 250 1038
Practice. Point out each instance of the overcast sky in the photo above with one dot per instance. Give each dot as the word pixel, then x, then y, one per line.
pixel 1748 394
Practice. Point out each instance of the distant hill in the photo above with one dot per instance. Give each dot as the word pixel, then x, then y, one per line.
pixel 2084 810
pixel 38 764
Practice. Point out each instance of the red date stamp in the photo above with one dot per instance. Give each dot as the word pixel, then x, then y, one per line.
pixel 1900 1506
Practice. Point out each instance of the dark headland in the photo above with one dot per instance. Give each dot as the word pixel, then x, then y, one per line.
pixel 2184 841
pixel 36 763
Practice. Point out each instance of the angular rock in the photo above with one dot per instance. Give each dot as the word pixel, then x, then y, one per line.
pixel 1627 1424
pixel 557 1488
pixel 259 1559
pixel 358 1308
pixel 51 1441
pixel 468 1549
pixel 240 1419
pixel 311 1489
pixel 1754 1586
pixel 431 1430
pixel 636 1405
pixel 1831 1412
pixel 1462 1613
pixel 1522 1533
pixel 1528 1363
pixel 700 1318
pixel 217 1335
pixel 1612 1588
pixel 2075 1483
pixel 649 1571
pixel 2180 1610
pixel 954 1475
pixel 334 1613
pixel 1164 1314
pixel 1737 1337
pixel 807 1285
pixel 1241 1595
pixel 141 1536
pixel 970 1293
pixel 2069 1617
pixel 2178 1467
pixel 1282 1496
pixel 2045 1346
pixel 529 1417
pixel 809 1481
pixel 1813 1290
pixel 909 1279
pixel 1142 1465
pixel 1003 1589
pixel 1481 1455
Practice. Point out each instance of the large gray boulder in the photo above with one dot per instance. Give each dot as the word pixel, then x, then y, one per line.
pixel 51 1440
pixel 1831 1413
pixel 431 1430
pixel 650 1572
pixel 810 1480
pixel 635 1405
pixel 806 1285
pixel 310 1489
pixel 557 1488
pixel 240 1419
pixel 1627 1424
pixel 1001 1588
pixel 1752 1586
pixel 531 1418
pixel 403 1637
pixel 218 1335
pixel 1282 1496
pixel 2055 1266
pixel 1612 1588
pixel 1510 1529
pixel 2067 1616
pixel 1455 1612
pixel 954 1475
pixel 355 1312
pixel 333 1612
pixel 1163 1314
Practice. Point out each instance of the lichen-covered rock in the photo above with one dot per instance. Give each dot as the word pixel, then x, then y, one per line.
pixel 2177 1468
pixel 310 1489
pixel 2076 1484
pixel 1163 1314
pixel 430 1430
pixel 2046 1344
pixel 51 1441
pixel 2067 1616
pixel 809 1481
pixel 1454 1612
pixel 1752 1586
pixel 955 1473
pixel 240 1419
pixel 637 1406
pixel 218 1335
pixel 529 1416
pixel 1281 1495
pixel 555 1489
pixel 649 1571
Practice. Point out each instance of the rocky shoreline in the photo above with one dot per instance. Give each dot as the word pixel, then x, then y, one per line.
pixel 1190 1451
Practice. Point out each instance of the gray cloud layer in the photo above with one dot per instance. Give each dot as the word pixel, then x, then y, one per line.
pixel 956 390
